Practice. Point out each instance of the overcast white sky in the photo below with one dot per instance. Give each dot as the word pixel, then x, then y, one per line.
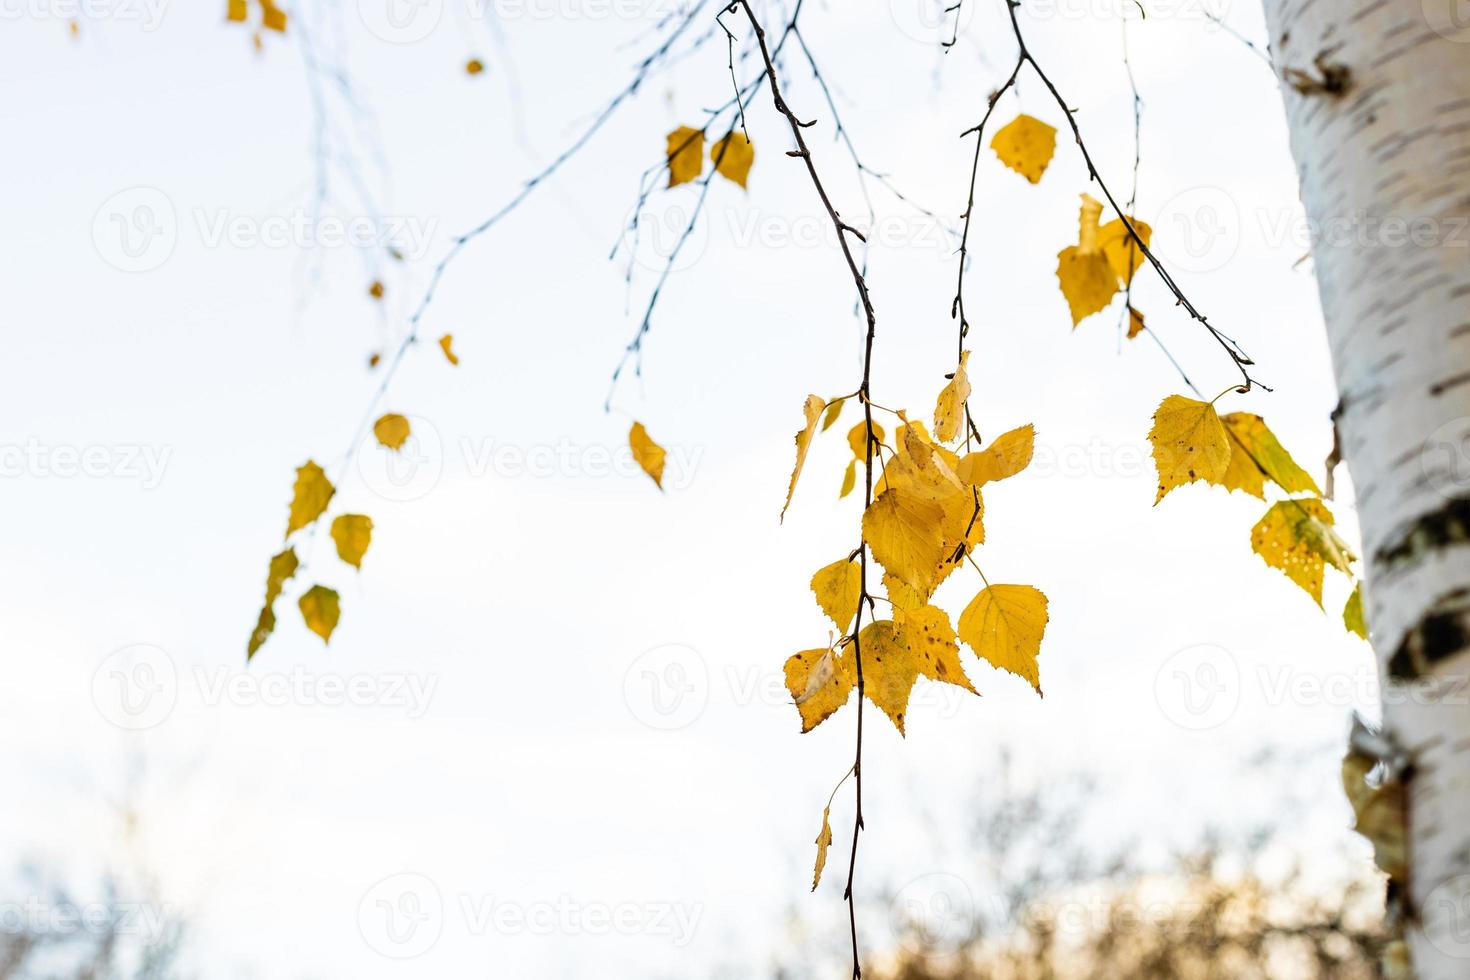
pixel 576 710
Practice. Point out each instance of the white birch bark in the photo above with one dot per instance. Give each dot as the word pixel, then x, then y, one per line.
pixel 1385 178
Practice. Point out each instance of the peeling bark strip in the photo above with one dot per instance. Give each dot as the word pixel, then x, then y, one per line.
pixel 1377 96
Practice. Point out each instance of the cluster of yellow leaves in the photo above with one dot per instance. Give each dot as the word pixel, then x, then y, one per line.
pixel 926 518
pixel 732 155
pixel 1192 443
pixel 1103 261
pixel 272 17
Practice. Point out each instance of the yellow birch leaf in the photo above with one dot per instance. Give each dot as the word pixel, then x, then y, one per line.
pixel 1135 323
pixel 813 411
pixel 1026 145
pixel 902 595
pixel 446 344
pixel 834 410
pixel 649 454
pixel 1004 625
pixel 273 18
pixel 282 567
pixel 1189 443
pixel 820 682
pixel 857 436
pixel 1125 258
pixel 732 156
pixel 1008 455
pixel 375 289
pixel 1087 282
pixel 1089 231
pixel 352 533
pixel 949 410
pixel 824 840
pixel 849 479
pixel 238 11
pixel 932 640
pixel 392 431
pixel 309 496
pixel 685 155
pixel 474 66
pixel 1352 613
pixel 1296 537
pixel 1256 455
pixel 839 588
pixel 321 610
pixel 889 668
pixel 906 534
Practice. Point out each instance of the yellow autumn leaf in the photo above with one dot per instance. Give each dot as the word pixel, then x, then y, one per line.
pixel 1088 283
pixel 824 841
pixel 889 668
pixel 1125 258
pixel 321 610
pixel 309 496
pixel 1296 537
pixel 1136 325
pixel 1004 625
pixel 1026 145
pixel 1089 231
pixel 902 595
pixel 237 10
pixel 932 641
pixel 685 155
pixel 813 411
pixel 857 437
pixel 352 534
pixel 392 431
pixel 376 289
pixel 732 156
pixel 1008 455
pixel 474 66
pixel 820 682
pixel 949 410
pixel 849 479
pixel 834 412
pixel 1257 455
pixel 649 454
pixel 1189 443
pixel 905 532
pixel 839 588
pixel 1380 813
pixel 1352 613
pixel 446 344
pixel 273 18
pixel 282 567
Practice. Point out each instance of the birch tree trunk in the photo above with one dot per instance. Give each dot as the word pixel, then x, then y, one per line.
pixel 1377 98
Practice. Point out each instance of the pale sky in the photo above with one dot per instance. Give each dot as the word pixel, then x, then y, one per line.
pixel 552 714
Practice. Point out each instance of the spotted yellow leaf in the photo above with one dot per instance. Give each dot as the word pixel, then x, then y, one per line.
pixel 282 567
pixel 1189 443
pixel 813 411
pixel 949 410
pixel 1256 456
pixel 905 531
pixel 1026 145
pixel 1004 625
pixel 352 534
pixel 309 496
pixel 889 668
pixel 649 454
pixel 1008 455
pixel 685 155
pixel 392 431
pixel 839 588
pixel 732 156
pixel 321 610
pixel 1296 537
pixel 820 682
pixel 932 640
pixel 446 344
pixel 824 841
